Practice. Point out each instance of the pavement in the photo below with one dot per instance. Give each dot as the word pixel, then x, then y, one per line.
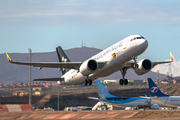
pixel 69 115
pixel 95 115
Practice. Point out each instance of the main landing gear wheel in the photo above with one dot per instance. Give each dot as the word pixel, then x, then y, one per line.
pixel 123 72
pixel 121 81
pixel 88 81
pixel 125 81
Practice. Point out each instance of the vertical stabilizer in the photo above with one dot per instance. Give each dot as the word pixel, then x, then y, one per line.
pixel 102 91
pixel 62 58
pixel 154 90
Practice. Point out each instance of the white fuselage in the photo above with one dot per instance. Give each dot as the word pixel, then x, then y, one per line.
pixel 131 102
pixel 123 52
pixel 173 101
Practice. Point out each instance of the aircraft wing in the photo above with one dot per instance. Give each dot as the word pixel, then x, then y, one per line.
pixel 156 63
pixel 131 64
pixel 145 104
pixel 68 65
pixel 49 79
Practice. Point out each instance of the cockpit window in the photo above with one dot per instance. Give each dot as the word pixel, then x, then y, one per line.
pixel 137 38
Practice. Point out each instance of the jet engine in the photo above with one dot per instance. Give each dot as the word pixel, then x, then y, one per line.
pixel 144 66
pixel 88 67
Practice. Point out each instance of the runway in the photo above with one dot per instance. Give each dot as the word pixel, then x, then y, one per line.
pixel 69 115
pixel 95 115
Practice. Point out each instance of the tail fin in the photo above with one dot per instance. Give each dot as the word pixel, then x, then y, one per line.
pixel 62 58
pixel 102 91
pixel 154 90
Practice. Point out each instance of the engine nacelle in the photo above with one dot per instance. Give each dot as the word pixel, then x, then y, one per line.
pixel 144 66
pixel 88 67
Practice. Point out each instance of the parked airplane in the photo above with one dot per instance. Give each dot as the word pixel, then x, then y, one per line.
pixel 158 97
pixel 139 102
pixel 114 58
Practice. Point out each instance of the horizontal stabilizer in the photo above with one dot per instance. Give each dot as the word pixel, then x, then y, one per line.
pixel 49 79
pixel 93 98
pixel 145 104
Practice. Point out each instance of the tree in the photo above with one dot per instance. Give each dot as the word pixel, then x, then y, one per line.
pixel 21 83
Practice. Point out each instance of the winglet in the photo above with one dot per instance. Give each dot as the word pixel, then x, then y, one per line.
pixel 8 58
pixel 171 56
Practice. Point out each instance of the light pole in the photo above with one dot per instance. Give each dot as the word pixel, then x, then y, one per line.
pixel 30 52
pixel 58 100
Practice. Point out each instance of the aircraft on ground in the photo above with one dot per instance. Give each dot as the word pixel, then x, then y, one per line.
pixel 158 97
pixel 138 102
pixel 115 58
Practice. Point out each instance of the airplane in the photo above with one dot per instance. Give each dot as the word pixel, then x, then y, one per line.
pixel 115 58
pixel 158 97
pixel 138 102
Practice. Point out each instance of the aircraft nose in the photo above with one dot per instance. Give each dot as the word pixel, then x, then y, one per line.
pixel 144 43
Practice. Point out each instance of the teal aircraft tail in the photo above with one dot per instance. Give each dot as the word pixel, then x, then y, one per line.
pixel 102 91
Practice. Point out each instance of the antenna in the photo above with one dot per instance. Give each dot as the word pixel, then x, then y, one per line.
pixel 157 76
pixel 82 44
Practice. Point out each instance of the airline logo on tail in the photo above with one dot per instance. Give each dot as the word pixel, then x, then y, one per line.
pixel 64 59
pixel 102 92
pixel 154 89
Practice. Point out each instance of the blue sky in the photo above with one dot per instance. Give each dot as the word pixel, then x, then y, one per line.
pixel 42 25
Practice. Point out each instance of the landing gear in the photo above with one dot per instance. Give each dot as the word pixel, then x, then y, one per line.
pixel 123 72
pixel 88 81
pixel 135 63
pixel 125 81
pixel 121 81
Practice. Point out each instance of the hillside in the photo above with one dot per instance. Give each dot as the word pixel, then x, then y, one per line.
pixel 10 73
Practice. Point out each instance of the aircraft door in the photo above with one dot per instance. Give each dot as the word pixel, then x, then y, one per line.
pixel 124 44
pixel 165 101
